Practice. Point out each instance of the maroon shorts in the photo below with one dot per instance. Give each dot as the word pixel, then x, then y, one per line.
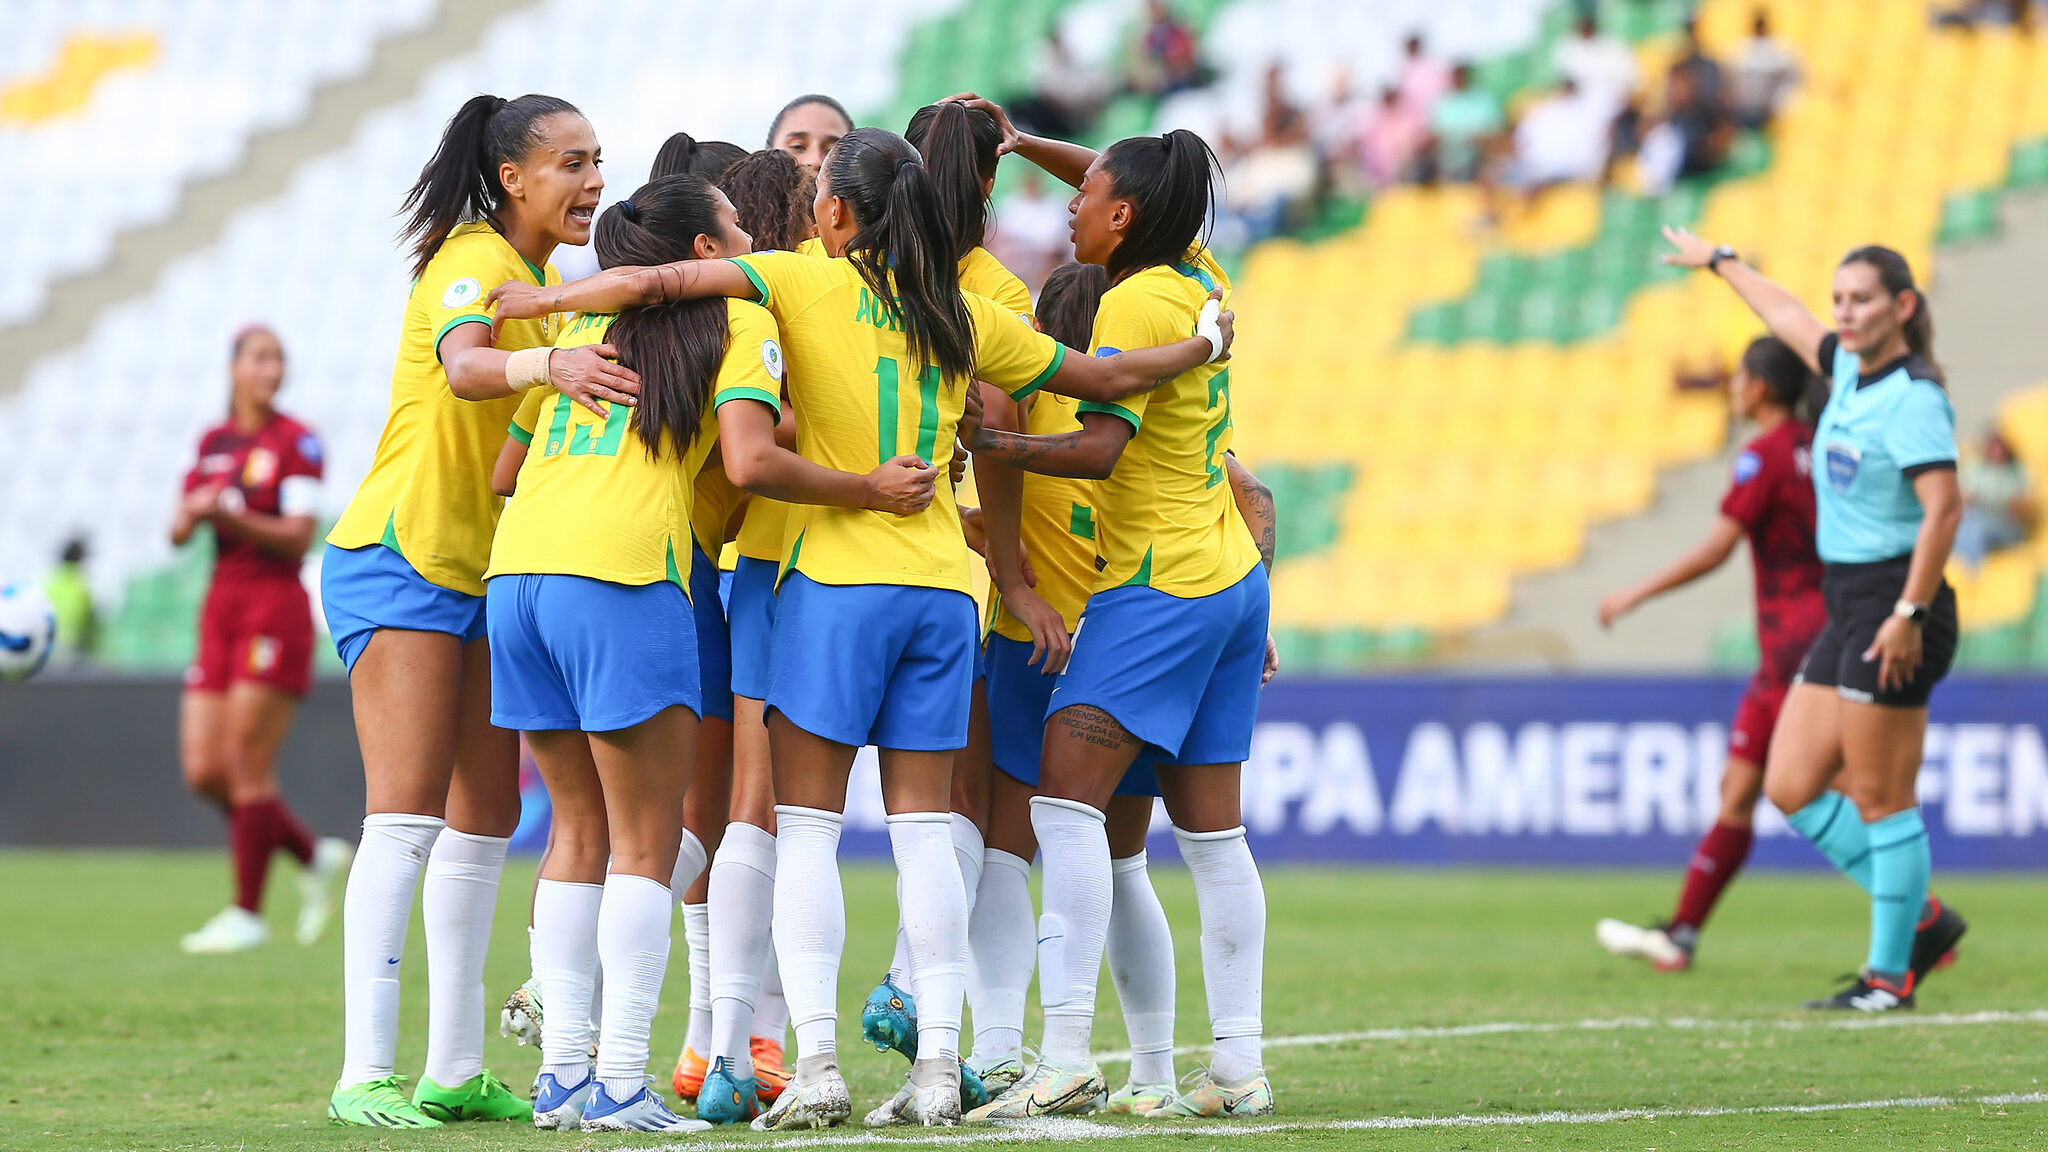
pixel 259 631
pixel 1756 717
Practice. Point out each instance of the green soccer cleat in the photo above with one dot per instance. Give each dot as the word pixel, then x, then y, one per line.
pixel 481 1097
pixel 1049 1091
pixel 1211 1098
pixel 1135 1099
pixel 377 1104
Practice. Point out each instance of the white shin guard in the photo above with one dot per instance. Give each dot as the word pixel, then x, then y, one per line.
pixel 810 922
pixel 742 914
pixel 1001 952
pixel 458 902
pixel 1073 846
pixel 376 911
pixel 632 946
pixel 1232 900
pixel 1140 956
pixel 934 918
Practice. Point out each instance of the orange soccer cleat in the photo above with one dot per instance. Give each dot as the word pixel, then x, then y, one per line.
pixel 689 1074
pixel 768 1067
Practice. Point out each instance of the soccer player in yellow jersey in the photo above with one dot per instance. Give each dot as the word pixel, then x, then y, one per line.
pixel 875 628
pixel 402 587
pixel 1170 653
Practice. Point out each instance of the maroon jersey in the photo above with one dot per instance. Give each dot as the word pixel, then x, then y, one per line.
pixel 1771 496
pixel 255 469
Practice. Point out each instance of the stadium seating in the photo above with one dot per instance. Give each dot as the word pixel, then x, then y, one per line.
pixel 108 107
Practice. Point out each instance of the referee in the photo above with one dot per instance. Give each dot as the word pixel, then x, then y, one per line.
pixel 1844 759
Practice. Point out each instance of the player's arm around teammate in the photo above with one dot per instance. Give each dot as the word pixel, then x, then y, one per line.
pixel 1847 751
pixel 402 586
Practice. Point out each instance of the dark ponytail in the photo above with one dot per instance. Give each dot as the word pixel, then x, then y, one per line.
pixel 1068 302
pixel 959 147
pixel 683 153
pixel 460 184
pixel 902 249
pixel 1173 180
pixel 1897 276
pixel 677 347
pixel 771 194
pixel 1794 387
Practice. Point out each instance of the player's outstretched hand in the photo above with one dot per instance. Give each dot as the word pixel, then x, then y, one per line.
pixel 587 376
pixel 902 485
pixel 1614 606
pixel 518 300
pixel 1002 118
pixel 1689 251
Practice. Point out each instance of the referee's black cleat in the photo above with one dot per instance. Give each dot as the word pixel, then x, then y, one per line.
pixel 1934 941
pixel 1869 993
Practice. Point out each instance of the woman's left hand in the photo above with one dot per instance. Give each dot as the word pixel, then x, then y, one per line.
pixel 1897 650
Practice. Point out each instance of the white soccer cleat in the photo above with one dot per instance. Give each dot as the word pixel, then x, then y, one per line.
pixel 558 1108
pixel 935 1104
pixel 819 1101
pixel 643 1112
pixel 1653 944
pixel 520 1017
pixel 998 1073
pixel 1049 1091
pixel 890 1111
pixel 1211 1098
pixel 1139 1099
pixel 232 929
pixel 331 858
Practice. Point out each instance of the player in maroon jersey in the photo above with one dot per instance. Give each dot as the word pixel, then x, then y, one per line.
pixel 257 481
pixel 1770 500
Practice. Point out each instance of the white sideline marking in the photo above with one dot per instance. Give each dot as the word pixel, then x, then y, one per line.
pixel 1627 1023
pixel 1070 1128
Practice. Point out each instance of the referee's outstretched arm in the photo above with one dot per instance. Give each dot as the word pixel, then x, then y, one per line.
pixel 1780 311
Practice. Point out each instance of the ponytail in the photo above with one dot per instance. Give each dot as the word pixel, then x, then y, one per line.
pixel 902 250
pixel 676 347
pixel 771 194
pixel 683 153
pixel 460 184
pixel 1897 276
pixel 1172 181
pixel 1794 387
pixel 959 146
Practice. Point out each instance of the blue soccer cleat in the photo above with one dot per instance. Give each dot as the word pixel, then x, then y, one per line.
pixel 725 1099
pixel 641 1112
pixel 558 1107
pixel 889 1020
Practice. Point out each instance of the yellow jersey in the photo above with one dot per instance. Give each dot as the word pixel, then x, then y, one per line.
pixel 984 275
pixel 859 401
pixel 1165 518
pixel 711 508
pixel 428 493
pixel 591 500
pixel 1057 528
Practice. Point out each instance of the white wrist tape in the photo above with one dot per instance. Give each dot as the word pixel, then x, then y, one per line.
pixel 526 368
pixel 1207 328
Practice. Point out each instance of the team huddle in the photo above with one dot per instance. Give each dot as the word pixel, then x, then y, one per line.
pixel 787 352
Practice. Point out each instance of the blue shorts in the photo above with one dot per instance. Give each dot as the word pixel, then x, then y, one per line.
pixel 1017 694
pixel 881 664
pixel 750 616
pixel 364 589
pixel 714 639
pixel 572 652
pixel 1181 674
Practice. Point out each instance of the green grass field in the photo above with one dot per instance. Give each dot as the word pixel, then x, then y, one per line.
pixel 119 1041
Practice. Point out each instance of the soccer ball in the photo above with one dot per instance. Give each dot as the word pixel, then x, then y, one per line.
pixel 28 628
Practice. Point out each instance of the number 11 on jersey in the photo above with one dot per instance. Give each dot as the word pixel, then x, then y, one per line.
pixel 888 385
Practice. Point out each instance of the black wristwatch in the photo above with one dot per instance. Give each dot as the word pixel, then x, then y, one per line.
pixel 1910 612
pixel 1724 252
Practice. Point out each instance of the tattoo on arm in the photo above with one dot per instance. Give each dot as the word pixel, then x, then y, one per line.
pixel 1255 500
pixel 1021 451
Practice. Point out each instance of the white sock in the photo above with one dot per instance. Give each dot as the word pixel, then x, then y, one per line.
pixel 1141 965
pixel 564 946
pixel 458 902
pixel 632 944
pixel 1232 900
pixel 771 1011
pixel 1073 846
pixel 810 923
pixel 697 937
pixel 935 921
pixel 376 910
pixel 1001 952
pixel 742 914
pixel 691 861
pixel 967 849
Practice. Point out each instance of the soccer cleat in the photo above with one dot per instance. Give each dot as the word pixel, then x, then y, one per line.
pixel 232 929
pixel 820 1102
pixel 1869 992
pixel 331 858
pixel 1209 1097
pixel 996 1073
pixel 1660 945
pixel 688 1078
pixel 1050 1090
pixel 481 1097
pixel 889 1020
pixel 1135 1099
pixel 642 1112
pixel 723 1098
pixel 769 1070
pixel 558 1108
pixel 520 1017
pixel 1934 941
pixel 377 1104
pixel 932 1105
pixel 890 1111
pixel 973 1089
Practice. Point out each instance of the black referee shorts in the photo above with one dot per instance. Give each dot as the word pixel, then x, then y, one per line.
pixel 1860 597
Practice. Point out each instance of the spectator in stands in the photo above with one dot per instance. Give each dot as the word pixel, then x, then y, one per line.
pixel 1463 124
pixel 1273 184
pixel 1423 80
pixel 1703 70
pixel 1692 135
pixel 2006 13
pixel 1067 93
pixel 1031 236
pixel 1562 137
pixel 78 624
pixel 1998 504
pixel 1392 139
pixel 1167 58
pixel 1764 73
pixel 1602 67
